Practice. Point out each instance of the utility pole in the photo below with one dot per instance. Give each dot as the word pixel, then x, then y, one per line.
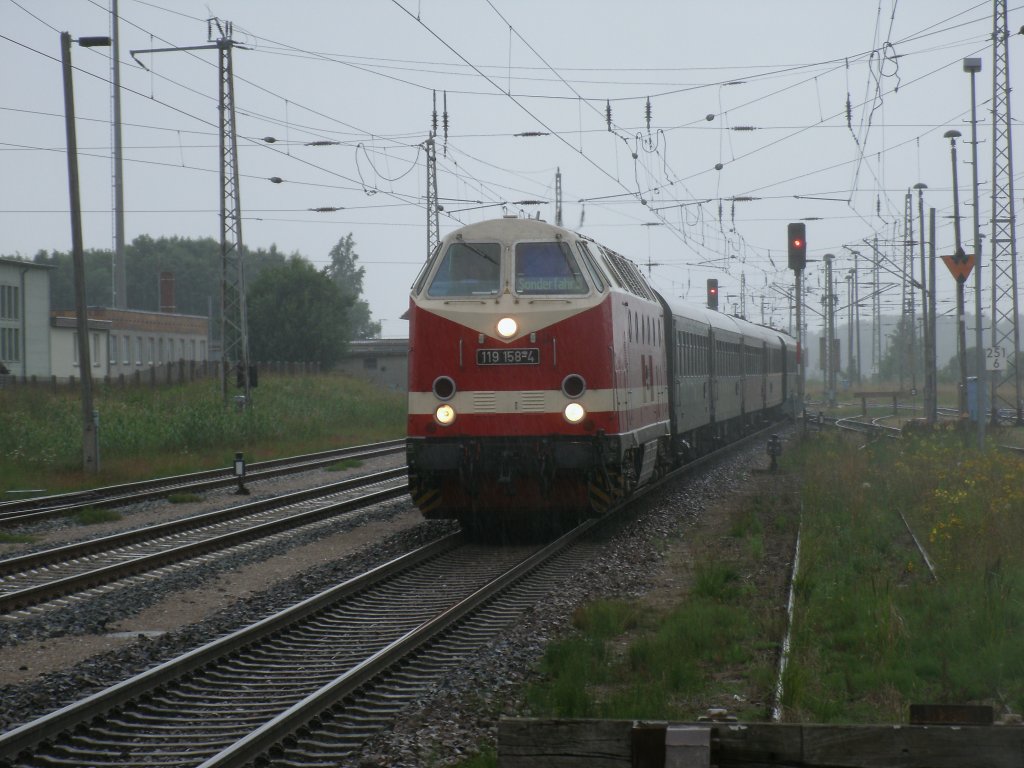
pixel 925 335
pixel 120 270
pixel 973 66
pixel 1005 331
pixel 961 325
pixel 90 435
pixel 856 313
pixel 877 352
pixel 907 354
pixel 558 197
pixel 830 331
pixel 234 334
pixel 932 341
pixel 849 326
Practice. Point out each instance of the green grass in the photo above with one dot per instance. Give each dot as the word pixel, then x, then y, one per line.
pixel 874 632
pixel 344 464
pixel 16 538
pixel 182 497
pixel 148 432
pixel 94 516
pixel 630 660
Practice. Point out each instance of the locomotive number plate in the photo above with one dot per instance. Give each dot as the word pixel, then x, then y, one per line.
pixel 528 356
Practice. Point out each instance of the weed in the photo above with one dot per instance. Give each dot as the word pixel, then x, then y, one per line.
pixel 96 515
pixel 344 464
pixel 183 497
pixel 16 538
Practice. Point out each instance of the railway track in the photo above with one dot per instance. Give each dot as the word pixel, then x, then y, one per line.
pixel 28 583
pixel 309 685
pixel 16 512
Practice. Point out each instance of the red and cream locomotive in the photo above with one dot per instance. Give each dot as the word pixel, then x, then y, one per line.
pixel 547 379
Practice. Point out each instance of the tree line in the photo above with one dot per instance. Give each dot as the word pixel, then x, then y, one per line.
pixel 296 312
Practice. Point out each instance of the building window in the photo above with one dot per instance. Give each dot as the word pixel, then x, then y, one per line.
pixel 74 347
pixel 112 348
pixel 152 350
pixel 127 345
pixel 138 350
pixel 10 302
pixel 10 345
pixel 160 349
pixel 192 350
pixel 95 350
pixel 202 350
pixel 370 363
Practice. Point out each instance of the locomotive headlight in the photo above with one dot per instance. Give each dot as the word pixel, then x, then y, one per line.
pixel 507 327
pixel 444 414
pixel 574 413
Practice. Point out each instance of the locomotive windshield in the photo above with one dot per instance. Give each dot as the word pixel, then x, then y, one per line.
pixel 545 269
pixel 468 269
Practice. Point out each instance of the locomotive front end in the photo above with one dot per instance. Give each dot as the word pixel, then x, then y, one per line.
pixel 510 376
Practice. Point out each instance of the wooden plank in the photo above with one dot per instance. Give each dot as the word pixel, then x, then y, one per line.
pixel 606 744
pixel 524 743
pixel 951 714
pixel 913 746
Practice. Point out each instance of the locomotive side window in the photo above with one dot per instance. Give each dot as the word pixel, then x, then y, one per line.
pixel 547 269
pixel 600 281
pixel 421 278
pixel 468 269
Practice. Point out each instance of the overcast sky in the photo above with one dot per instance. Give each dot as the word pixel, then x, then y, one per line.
pixel 762 112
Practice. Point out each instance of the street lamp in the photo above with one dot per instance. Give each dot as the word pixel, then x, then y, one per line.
pixel 973 67
pixel 959 255
pixel 90 436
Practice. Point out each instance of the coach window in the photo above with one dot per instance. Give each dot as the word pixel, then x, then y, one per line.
pixel 547 269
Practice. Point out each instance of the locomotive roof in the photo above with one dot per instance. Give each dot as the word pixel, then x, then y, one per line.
pixel 510 228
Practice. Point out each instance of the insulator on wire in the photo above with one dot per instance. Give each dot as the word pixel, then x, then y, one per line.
pixel 433 119
pixel 444 117
pixel 647 114
pixel 849 112
pixel 608 114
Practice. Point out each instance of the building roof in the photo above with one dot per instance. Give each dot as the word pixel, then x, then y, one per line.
pixel 143 320
pixel 24 263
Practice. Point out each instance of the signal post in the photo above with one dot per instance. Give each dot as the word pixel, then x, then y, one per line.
pixel 796 236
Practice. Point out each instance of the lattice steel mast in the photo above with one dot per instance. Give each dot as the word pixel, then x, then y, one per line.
pixel 234 335
pixel 909 319
pixel 1006 384
pixel 233 319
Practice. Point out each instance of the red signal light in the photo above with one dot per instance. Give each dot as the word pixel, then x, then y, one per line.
pixel 712 293
pixel 796 234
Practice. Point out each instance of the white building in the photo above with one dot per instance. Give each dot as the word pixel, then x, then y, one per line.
pixel 64 361
pixel 24 318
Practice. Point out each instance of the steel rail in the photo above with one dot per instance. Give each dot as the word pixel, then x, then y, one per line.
pixel 29 510
pixel 67 718
pixel 106 574
pixel 274 731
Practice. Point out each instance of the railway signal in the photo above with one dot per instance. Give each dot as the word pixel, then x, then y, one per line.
pixel 797 243
pixel 712 293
